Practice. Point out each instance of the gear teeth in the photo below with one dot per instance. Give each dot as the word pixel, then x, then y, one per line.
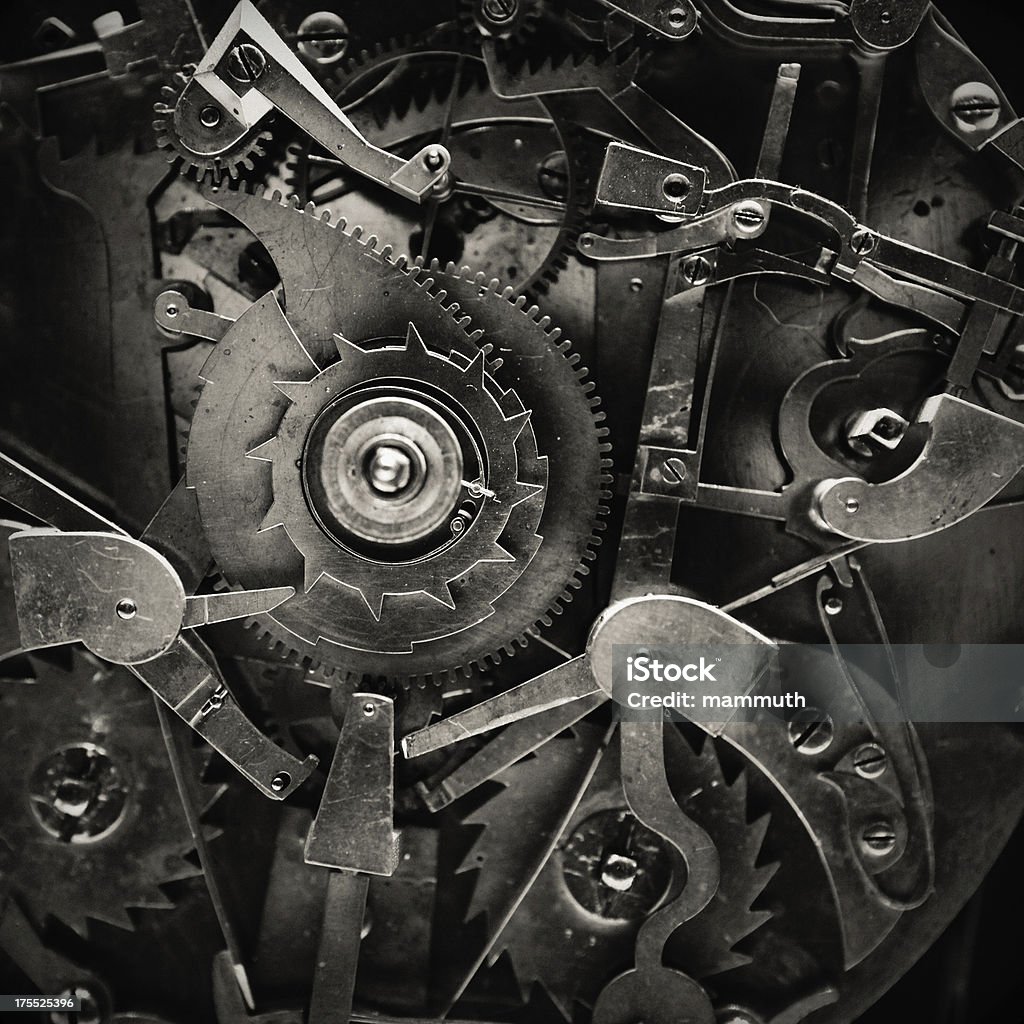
pixel 451 40
pixel 271 521
pixel 227 165
pixel 416 272
pixel 264 452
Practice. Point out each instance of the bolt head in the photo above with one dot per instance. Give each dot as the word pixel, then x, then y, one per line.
pixel 388 469
pixel 870 761
pixel 619 872
pixel 862 242
pixel 323 37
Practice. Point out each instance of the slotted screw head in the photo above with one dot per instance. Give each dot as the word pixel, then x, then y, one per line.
pixel 748 217
pixel 878 839
pixel 870 761
pixel 811 730
pixel 975 107
pixel 696 271
pixel 246 62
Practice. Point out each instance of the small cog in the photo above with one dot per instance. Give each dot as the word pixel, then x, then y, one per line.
pixel 212 147
pixel 577 925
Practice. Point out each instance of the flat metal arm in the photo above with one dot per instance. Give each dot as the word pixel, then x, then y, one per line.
pixel 249 70
pixel 560 685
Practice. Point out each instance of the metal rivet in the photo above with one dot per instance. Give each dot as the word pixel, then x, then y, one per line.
pixel 282 780
pixel 210 116
pixel 676 187
pixel 126 608
pixel 636 284
pixel 677 17
pixel 852 506
pixel 369 709
pixel 553 176
pixel 833 605
pixel 433 158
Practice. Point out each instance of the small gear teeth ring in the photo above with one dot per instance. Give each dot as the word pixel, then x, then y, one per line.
pixel 228 164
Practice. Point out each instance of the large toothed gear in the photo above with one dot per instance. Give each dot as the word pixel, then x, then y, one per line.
pixel 90 821
pixel 609 871
pixel 217 160
pixel 431 504
pixel 438 82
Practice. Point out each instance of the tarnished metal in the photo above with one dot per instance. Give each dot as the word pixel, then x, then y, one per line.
pixel 353 830
pixel 784 238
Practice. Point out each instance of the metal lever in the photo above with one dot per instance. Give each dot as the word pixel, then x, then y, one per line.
pixel 249 70
pixel 119 597
pixel 178 669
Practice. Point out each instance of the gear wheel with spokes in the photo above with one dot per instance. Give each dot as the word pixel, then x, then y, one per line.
pixel 431 504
